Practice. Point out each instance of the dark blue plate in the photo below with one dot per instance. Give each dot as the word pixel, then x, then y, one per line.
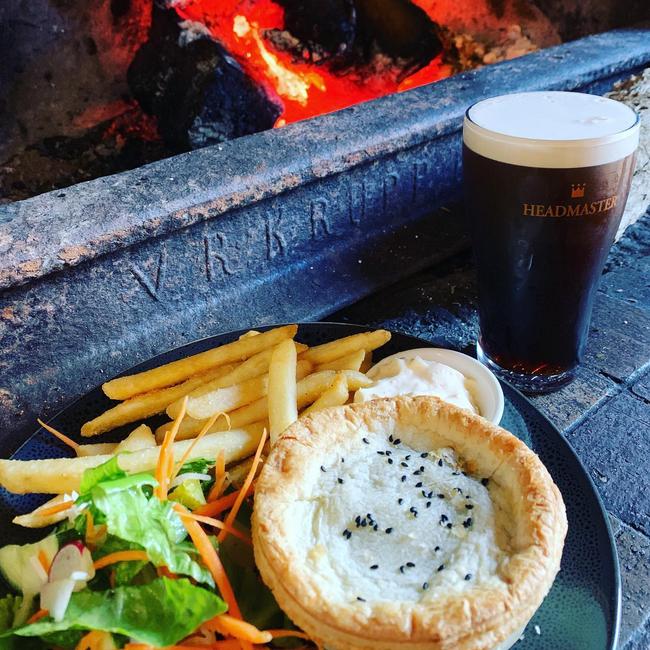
pixel 582 610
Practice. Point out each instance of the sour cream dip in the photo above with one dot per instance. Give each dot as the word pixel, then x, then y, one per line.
pixel 416 376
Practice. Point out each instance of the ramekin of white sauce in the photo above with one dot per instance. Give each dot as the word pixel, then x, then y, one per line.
pixel 447 374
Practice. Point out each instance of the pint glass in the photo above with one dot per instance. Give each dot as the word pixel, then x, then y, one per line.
pixel 546 177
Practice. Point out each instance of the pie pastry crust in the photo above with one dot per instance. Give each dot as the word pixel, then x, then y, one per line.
pixel 528 508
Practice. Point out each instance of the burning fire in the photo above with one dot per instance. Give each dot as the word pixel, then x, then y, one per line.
pixel 304 88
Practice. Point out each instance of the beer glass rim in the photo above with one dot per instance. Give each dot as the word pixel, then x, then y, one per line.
pixel 546 152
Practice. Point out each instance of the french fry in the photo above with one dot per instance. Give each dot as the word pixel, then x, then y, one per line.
pixel 237 473
pixel 58 475
pixel 367 362
pixel 140 438
pixel 336 395
pixel 36 518
pixel 282 402
pixel 227 399
pixel 148 404
pixel 255 366
pixel 96 449
pixel 178 371
pixel 350 361
pixel 308 390
pixel 341 347
pixel 248 334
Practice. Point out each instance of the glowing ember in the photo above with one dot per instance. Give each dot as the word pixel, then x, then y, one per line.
pixel 304 88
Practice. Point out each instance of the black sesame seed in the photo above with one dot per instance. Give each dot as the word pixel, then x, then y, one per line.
pixel 346 532
pixel 455 473
pixel 388 452
pixel 340 480
pixel 440 496
pixel 396 441
pixel 417 472
pixel 342 460
pixel 436 549
pixel 422 468
pixel 403 478
pixel 424 454
pixel 410 565
pixel 412 509
pixel 449 525
pixel 401 569
pixel 390 461
pixel 469 506
pixel 363 600
pixel 357 520
pixel 485 481
pixel 365 440
pixel 388 531
pixel 464 473
pixel 403 464
pixel 375 527
pixel 381 453
pixel 441 567
pixel 425 586
pixel 364 523
pixel 430 495
pixel 390 438
pixel 424 493
pixel 468 496
pixel 468 576
pixel 322 469
pixel 407 457
pixel 443 518
pixel 418 484
pixel 440 462
pixel 457 489
pixel 428 504
pixel 467 523
pixel 400 501
pixel 369 515
pixel 374 566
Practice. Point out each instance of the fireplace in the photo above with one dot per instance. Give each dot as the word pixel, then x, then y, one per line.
pixel 290 222
pixel 96 88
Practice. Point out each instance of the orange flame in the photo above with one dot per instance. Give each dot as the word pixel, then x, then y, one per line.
pixel 302 87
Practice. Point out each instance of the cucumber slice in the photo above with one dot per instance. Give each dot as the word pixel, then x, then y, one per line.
pixel 189 493
pixel 16 564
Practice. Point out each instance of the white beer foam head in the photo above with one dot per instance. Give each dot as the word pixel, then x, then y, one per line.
pixel 551 129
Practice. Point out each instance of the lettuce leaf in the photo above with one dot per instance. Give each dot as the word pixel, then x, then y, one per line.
pixel 150 523
pixel 106 471
pixel 160 613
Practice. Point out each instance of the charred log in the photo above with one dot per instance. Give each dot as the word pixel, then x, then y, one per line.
pixel 199 95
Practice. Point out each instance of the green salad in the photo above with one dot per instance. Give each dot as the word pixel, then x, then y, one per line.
pixel 131 568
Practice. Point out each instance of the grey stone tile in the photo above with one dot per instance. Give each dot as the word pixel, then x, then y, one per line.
pixel 614 445
pixel 631 285
pixel 641 388
pixel 619 338
pixel 634 557
pixel 567 405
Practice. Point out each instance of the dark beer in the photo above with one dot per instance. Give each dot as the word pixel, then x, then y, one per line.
pixel 543 222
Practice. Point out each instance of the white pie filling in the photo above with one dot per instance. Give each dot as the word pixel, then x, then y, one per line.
pixel 445 546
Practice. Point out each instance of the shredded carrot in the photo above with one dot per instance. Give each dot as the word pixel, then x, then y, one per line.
pixel 224 503
pixel 94 640
pixel 57 507
pixel 220 477
pixel 166 457
pixel 41 613
pixel 247 483
pixel 61 436
pixel 188 451
pixel 120 556
pixel 279 634
pixel 44 560
pixel 211 560
pixel 216 523
pixel 228 625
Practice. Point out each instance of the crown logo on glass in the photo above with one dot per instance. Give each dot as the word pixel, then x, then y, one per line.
pixel 578 191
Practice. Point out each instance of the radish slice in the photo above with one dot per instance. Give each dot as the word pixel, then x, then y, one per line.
pixel 55 597
pixel 73 560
